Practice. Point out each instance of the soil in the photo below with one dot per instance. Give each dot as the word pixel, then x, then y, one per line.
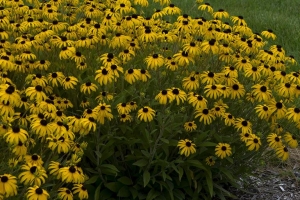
pixel 274 182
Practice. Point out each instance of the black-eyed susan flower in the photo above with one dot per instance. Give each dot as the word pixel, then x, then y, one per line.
pixel 261 92
pixel 178 95
pixel 263 111
pixel 274 140
pixel 237 90
pixel 172 10
pixel 244 125
pixel 186 147
pixel 269 34
pixel 104 111
pixel 104 76
pixel 190 126
pixel 146 114
pixel 36 93
pixel 125 117
pixel 206 116
pixel 213 91
pixel 144 75
pixel 245 136
pixel 56 78
pixel 123 108
pixel 210 46
pixel 210 161
pixel 293 114
pixel 229 119
pixel 65 194
pixel 8 93
pixel 221 13
pixel 223 150
pixel 32 175
pixel 253 143
pixel 69 82
pixel 54 168
pixel 15 135
pixel 88 87
pixel 206 7
pixel 163 96
pixel 42 127
pixel 278 108
pixel 154 61
pixel 37 193
pixel 71 174
pixel 19 149
pixel 291 140
pixel 210 78
pixel 8 185
pixel 282 152
pixel 81 191
pixel 33 159
pixel 196 100
pixel 132 75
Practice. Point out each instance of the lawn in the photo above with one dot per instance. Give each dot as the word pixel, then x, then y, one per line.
pixel 282 17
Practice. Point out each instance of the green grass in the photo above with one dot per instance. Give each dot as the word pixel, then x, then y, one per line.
pixel 283 17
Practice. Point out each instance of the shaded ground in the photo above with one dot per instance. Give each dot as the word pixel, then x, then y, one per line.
pixel 279 182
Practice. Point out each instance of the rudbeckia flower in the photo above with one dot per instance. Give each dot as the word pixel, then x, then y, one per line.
pixel 205 115
pixel 8 185
pixel 32 175
pixel 146 114
pixel 190 126
pixel 132 75
pixel 269 34
pixel 154 61
pixel 71 174
pixel 282 152
pixel 16 135
pixel 37 193
pixel 210 161
pixel 186 147
pixel 253 143
pixel 290 140
pixel 81 191
pixel 223 150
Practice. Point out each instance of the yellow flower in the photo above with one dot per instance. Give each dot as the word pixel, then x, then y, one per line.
pixel 223 150
pixel 186 147
pixel 8 185
pixel 146 114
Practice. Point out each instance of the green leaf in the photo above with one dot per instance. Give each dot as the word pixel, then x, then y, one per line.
pixel 91 180
pixel 125 180
pixel 134 192
pixel 207 144
pixel 141 163
pixel 124 192
pixel 227 173
pixel 196 163
pixel 180 172
pixel 164 140
pixel 97 193
pixel 152 194
pixel 229 159
pixel 145 153
pixel 146 178
pixel 113 186
pixel 109 169
pixel 209 181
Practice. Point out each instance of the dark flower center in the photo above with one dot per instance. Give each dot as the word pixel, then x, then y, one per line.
pixel 72 169
pixel 296 110
pixel 33 169
pixel 205 111
pixel 145 110
pixel 263 88
pixel 175 91
pixel 224 148
pixel 188 144
pixel 279 105
pixel 38 88
pixel 39 191
pixel 35 157
pixel 4 179
pixel 244 123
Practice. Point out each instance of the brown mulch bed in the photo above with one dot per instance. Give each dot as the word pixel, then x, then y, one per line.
pixel 279 181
